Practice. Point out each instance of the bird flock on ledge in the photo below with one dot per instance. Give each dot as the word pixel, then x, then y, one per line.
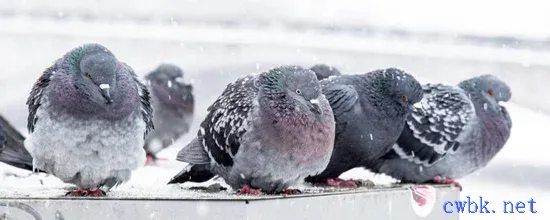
pixel 92 122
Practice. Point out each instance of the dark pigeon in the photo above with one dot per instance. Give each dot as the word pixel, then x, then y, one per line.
pixel 265 132
pixel 452 132
pixel 323 71
pixel 12 148
pixel 370 111
pixel 88 117
pixel 174 105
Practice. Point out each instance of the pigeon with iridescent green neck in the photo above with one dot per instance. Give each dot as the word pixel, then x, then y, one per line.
pixel 265 132
pixel 88 117
pixel 452 132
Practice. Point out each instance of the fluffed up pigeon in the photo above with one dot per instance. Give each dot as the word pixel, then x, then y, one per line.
pixel 452 132
pixel 370 111
pixel 174 105
pixel 12 149
pixel 265 133
pixel 323 71
pixel 88 117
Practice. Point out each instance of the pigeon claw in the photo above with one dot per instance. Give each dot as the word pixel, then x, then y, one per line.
pixel 151 159
pixel 291 192
pixel 86 193
pixel 247 190
pixel 340 183
pixel 445 180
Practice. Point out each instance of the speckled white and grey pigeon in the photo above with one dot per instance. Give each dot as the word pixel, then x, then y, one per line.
pixel 265 132
pixel 88 117
pixel 452 132
pixel 370 111
pixel 174 105
pixel 323 71
pixel 12 150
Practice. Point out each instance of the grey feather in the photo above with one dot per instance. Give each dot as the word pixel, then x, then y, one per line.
pixel 12 150
pixel 88 116
pixel 370 111
pixel 267 131
pixel 323 71
pixel 455 131
pixel 193 153
pixel 173 102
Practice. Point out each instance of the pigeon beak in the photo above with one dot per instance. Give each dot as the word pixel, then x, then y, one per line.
pixel 314 106
pixel 106 91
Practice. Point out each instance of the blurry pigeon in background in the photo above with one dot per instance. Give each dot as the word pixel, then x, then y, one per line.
pixel 12 150
pixel 174 105
pixel 323 71
pixel 452 132
pixel 265 132
pixel 88 117
pixel 370 111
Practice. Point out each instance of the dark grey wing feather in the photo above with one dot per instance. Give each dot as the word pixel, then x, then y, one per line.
pixel 145 100
pixel 12 149
pixel 342 99
pixel 227 120
pixel 34 100
pixel 435 124
pixel 193 153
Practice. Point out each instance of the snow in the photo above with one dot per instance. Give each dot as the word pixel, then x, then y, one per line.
pixel 213 55
pixel 150 181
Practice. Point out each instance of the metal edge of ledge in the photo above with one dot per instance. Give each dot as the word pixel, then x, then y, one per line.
pixel 379 204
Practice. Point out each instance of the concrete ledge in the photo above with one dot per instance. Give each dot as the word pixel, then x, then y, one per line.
pixel 379 204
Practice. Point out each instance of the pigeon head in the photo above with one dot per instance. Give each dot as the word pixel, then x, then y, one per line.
pixel 489 85
pixel 94 69
pixel 324 71
pixel 166 73
pixel 492 89
pixel 293 88
pixel 394 87
pixel 168 85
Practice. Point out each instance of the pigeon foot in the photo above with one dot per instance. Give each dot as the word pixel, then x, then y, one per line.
pixel 445 180
pixel 337 182
pixel 291 192
pixel 247 190
pixel 152 159
pixel 86 193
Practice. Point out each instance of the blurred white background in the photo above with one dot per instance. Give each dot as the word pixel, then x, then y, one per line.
pixel 215 41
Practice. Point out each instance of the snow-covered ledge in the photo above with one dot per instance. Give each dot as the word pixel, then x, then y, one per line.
pixel 379 204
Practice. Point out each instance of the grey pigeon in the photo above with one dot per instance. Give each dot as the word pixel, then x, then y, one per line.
pixel 88 117
pixel 323 71
pixel 12 150
pixel 370 111
pixel 265 132
pixel 174 105
pixel 452 132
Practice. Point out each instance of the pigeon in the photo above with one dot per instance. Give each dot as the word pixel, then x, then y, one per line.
pixel 12 150
pixel 265 133
pixel 323 71
pixel 370 111
pixel 452 132
pixel 173 103
pixel 88 118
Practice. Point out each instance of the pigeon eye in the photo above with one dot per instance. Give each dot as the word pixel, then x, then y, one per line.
pixel 404 98
pixel 88 75
pixel 491 93
pixel 298 91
